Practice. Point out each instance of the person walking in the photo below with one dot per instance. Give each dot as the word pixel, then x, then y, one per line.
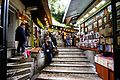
pixel 74 40
pixel 68 40
pixel 47 48
pixel 20 36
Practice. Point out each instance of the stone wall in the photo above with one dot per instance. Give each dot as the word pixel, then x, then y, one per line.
pixel 90 54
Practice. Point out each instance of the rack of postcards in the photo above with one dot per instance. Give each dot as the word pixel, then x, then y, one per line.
pixel 96 33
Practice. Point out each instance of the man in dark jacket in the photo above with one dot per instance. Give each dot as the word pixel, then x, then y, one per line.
pixel 48 51
pixel 20 37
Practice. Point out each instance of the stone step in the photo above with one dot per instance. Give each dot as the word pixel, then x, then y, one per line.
pixel 64 78
pixel 66 47
pixel 70 53
pixel 67 76
pixel 19 66
pixel 71 65
pixel 81 63
pixel 71 56
pixel 16 72
pixel 19 59
pixel 14 59
pixel 70 71
pixel 76 68
pixel 69 50
pixel 69 59
pixel 20 77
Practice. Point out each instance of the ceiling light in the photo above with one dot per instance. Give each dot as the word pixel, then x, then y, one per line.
pixel 86 15
pixel 81 19
pixel 94 9
pixel 103 2
pixel 45 19
pixel 20 18
pixel 98 5
pixel 70 23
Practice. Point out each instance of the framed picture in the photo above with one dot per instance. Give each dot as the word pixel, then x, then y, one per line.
pixel 108 48
pixel 100 47
pixel 118 24
pixel 90 27
pixel 95 24
pixel 109 8
pixel 118 40
pixel 100 28
pixel 100 22
pixel 82 25
pixel 118 12
pixel 110 16
pixel 102 40
pixel 86 29
pixel 112 48
pixel 105 19
pixel 108 30
pixel 82 29
pixel 108 40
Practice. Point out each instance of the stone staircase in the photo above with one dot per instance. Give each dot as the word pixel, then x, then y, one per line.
pixel 19 68
pixel 69 64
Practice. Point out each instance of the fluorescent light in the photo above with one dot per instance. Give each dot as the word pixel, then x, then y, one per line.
pixel 20 18
pixel 90 12
pixel 81 19
pixel 98 5
pixel 70 23
pixel 94 9
pixel 103 2
pixel 45 19
pixel 86 15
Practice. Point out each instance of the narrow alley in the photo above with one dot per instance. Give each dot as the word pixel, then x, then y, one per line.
pixel 59 39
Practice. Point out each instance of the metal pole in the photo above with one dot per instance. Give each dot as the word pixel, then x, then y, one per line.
pixel 116 51
pixel 3 54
